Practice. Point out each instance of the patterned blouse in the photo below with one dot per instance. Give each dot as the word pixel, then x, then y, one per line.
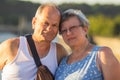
pixel 85 69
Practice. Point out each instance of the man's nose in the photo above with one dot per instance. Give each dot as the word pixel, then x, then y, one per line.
pixel 49 27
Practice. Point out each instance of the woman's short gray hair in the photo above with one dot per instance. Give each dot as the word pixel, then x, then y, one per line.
pixel 74 12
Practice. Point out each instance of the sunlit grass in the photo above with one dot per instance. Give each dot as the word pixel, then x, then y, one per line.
pixel 113 43
pixel 118 56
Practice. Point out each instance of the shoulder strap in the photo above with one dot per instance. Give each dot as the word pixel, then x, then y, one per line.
pixel 87 64
pixel 99 61
pixel 33 50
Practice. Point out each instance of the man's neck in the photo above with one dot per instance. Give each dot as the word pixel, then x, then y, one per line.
pixel 42 47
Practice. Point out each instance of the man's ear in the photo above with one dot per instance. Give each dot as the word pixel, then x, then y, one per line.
pixel 33 22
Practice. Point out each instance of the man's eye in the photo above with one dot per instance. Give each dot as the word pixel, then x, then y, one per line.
pixel 45 24
pixel 55 25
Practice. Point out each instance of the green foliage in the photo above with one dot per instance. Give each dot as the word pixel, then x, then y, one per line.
pixel 117 26
pixel 13 19
pixel 10 10
pixel 104 26
pixel 104 19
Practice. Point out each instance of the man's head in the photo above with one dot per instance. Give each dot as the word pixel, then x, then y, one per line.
pixel 41 8
pixel 46 22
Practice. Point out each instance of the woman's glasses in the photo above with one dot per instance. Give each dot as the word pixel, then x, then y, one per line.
pixel 70 29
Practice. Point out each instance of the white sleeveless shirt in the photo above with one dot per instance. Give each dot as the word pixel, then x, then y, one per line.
pixel 23 66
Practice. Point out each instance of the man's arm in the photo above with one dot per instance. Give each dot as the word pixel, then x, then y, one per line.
pixel 61 52
pixel 8 50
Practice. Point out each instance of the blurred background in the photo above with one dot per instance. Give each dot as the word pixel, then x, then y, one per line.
pixel 104 17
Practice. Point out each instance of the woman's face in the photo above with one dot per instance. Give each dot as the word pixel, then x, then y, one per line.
pixel 72 31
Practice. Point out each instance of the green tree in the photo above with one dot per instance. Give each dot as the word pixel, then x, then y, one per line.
pixel 101 25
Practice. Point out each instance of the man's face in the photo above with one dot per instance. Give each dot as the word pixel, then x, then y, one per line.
pixel 47 24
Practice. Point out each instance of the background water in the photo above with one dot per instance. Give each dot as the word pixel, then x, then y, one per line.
pixel 6 35
pixel 0 75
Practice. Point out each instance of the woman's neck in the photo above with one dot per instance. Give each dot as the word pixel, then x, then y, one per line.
pixel 81 47
pixel 80 52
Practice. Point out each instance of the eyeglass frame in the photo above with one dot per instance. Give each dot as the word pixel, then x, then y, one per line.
pixel 70 29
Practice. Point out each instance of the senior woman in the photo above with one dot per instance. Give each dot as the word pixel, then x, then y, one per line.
pixel 86 61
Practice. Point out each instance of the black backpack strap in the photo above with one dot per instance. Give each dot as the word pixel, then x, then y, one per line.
pixel 33 50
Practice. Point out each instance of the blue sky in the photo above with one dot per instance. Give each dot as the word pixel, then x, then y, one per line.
pixel 117 2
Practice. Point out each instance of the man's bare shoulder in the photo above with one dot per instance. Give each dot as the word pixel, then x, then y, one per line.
pixel 9 43
pixel 8 50
pixel 61 48
pixel 61 52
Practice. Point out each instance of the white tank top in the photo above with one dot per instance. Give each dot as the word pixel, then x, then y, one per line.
pixel 23 66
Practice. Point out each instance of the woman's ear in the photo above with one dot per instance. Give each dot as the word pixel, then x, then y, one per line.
pixel 33 22
pixel 85 28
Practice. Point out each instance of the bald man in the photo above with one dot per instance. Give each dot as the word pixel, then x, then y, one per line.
pixel 16 61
